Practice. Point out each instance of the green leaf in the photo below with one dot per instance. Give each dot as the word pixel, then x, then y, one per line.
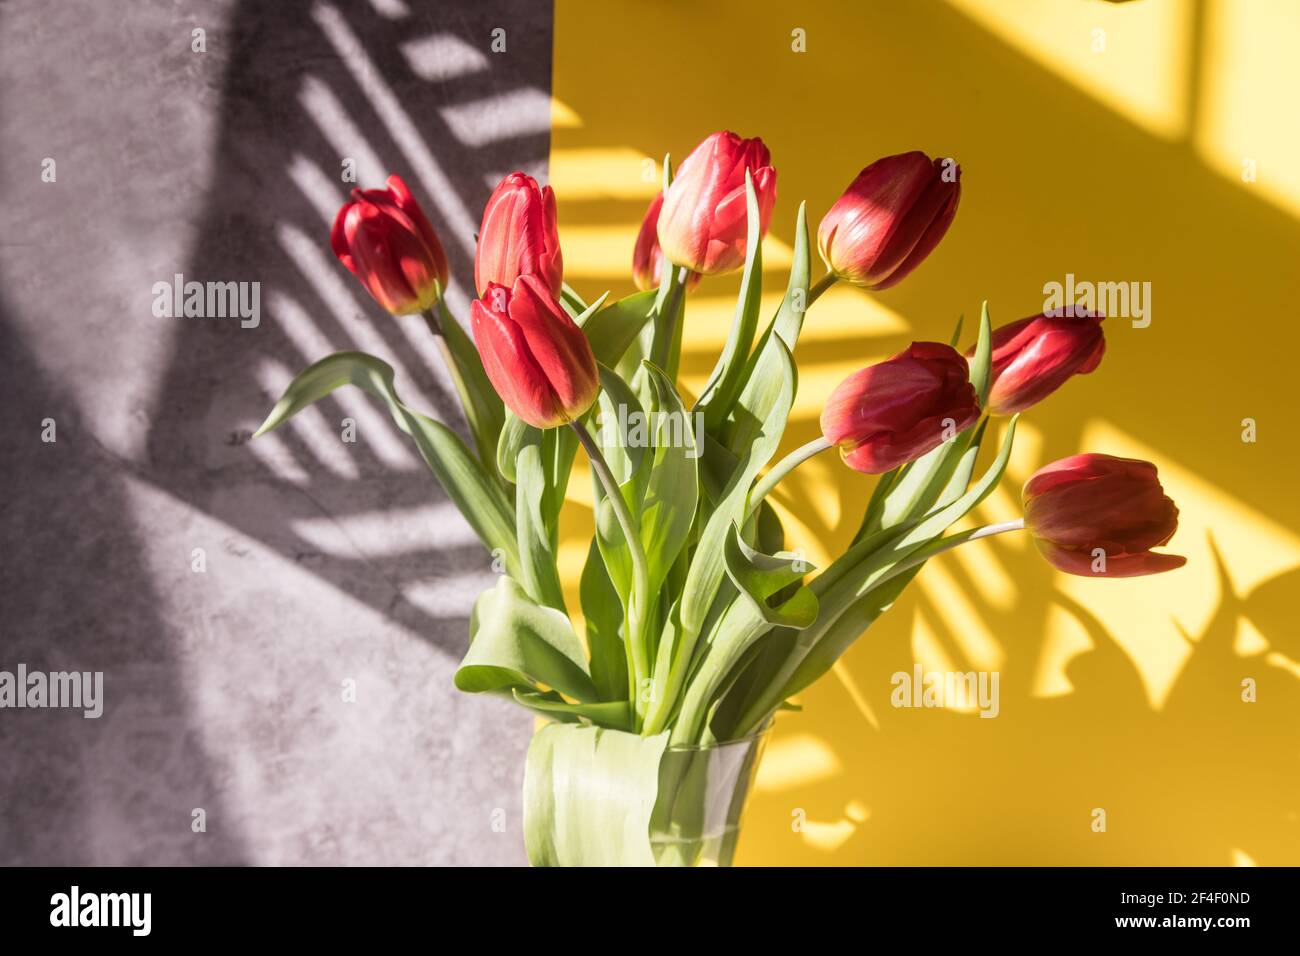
pixel 876 505
pixel 980 361
pixel 956 333
pixel 612 329
pixel 759 576
pixel 866 558
pixel 616 715
pixel 667 509
pixel 513 435
pixel 785 325
pixel 538 571
pixel 724 383
pixel 919 484
pixel 515 643
pixel 960 475
pixel 769 535
pixel 626 456
pixel 476 493
pixel 572 302
pixel 603 613
pixel 789 317
pixel 589 794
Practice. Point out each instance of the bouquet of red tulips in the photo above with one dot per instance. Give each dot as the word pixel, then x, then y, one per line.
pixel 698 625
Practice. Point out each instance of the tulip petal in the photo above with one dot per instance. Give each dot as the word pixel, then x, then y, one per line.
pixel 930 238
pixel 858 228
pixel 911 240
pixel 510 365
pixel 897 410
pixel 703 221
pixel 1117 566
pixel 518 236
pixel 557 345
pixel 339 239
pixel 1034 357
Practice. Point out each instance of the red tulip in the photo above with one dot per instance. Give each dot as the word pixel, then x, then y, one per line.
pixel 1100 515
pixel 648 257
pixel 536 357
pixel 384 239
pixel 703 224
pixel 899 409
pixel 518 236
pixel 889 219
pixel 1033 358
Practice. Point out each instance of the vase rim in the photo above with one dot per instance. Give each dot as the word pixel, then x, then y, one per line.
pixel 720 744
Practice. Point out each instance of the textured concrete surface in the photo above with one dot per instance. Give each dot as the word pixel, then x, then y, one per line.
pixel 322 562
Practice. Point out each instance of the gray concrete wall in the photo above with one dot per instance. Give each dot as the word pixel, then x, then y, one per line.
pixel 325 562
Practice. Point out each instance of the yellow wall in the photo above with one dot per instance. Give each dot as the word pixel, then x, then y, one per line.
pixel 1122 163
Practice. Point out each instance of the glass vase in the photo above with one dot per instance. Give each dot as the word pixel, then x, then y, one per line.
pixel 594 796
pixel 703 791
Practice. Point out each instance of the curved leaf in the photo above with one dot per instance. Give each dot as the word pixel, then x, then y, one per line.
pixel 517 643
pixel 616 715
pixel 761 576
pixel 477 494
pixel 538 571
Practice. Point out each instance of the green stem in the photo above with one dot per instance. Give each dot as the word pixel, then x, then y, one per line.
pixel 467 395
pixel 637 610
pixel 948 543
pixel 824 283
pixel 783 467
pixel 666 334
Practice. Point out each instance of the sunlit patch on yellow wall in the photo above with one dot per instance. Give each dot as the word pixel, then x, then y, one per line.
pixel 1065 639
pixel 1244 130
pixel 846 679
pixel 563 116
pixel 613 172
pixel 1133 59
pixel 796 761
pixel 977 645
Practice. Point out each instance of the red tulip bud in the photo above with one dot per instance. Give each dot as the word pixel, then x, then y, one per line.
pixel 384 239
pixel 1100 515
pixel 648 257
pixel 899 409
pixel 518 236
pixel 703 224
pixel 536 357
pixel 889 219
pixel 1033 357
